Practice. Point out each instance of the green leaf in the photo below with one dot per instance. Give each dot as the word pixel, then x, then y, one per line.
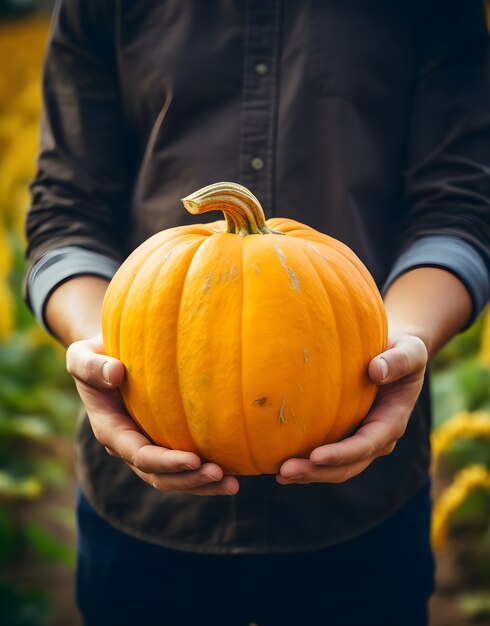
pixel 463 452
pixel 475 604
pixel 49 547
pixel 474 511
pixel 22 488
pixel 8 535
pixel 461 346
pixel 51 471
pixel 474 380
pixel 64 515
pixel 31 426
pixel 447 396
pixel 21 606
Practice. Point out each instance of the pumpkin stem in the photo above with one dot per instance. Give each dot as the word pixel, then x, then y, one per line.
pixel 243 212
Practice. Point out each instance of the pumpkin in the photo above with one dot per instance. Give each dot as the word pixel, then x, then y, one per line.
pixel 245 341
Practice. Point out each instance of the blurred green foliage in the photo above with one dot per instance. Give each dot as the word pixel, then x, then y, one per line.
pixel 38 409
pixel 461 382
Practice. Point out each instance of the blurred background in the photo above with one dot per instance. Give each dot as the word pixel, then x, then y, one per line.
pixel 38 404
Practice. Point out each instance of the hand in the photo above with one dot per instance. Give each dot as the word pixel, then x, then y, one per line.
pixel 400 373
pixel 97 378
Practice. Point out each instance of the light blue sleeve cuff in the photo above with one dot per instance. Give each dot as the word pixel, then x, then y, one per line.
pixel 59 265
pixel 452 254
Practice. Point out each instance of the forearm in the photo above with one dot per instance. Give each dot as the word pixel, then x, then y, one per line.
pixel 430 303
pixel 73 309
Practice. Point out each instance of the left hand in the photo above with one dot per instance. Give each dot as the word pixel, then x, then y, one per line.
pixel 400 373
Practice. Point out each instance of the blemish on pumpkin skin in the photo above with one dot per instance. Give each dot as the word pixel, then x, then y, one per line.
pixel 206 286
pixel 325 257
pixel 281 417
pixel 204 379
pixel 305 357
pixel 261 401
pixel 257 269
pixel 196 309
pixel 293 415
pixel 293 277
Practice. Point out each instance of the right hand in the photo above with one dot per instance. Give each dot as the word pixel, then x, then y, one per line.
pixel 97 378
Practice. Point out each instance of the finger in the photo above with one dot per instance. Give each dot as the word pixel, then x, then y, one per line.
pixel 158 460
pixel 408 356
pixel 116 431
pixel 383 427
pixel 368 442
pixel 209 476
pixel 229 486
pixel 98 370
pixel 310 473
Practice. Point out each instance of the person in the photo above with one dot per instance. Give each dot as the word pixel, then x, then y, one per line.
pixel 369 121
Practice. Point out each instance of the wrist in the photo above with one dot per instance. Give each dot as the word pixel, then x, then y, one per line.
pixel 73 309
pixel 429 303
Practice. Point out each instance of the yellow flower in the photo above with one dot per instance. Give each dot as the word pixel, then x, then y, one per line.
pixel 5 254
pixel 463 424
pixel 484 355
pixel 18 165
pixel 6 311
pixel 28 101
pixel 465 481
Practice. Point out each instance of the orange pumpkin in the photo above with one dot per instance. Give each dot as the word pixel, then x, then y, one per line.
pixel 244 341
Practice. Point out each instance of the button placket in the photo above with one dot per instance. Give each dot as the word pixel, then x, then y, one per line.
pixel 259 99
pixel 257 163
pixel 261 69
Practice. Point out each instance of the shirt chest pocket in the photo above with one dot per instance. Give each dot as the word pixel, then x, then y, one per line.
pixel 356 48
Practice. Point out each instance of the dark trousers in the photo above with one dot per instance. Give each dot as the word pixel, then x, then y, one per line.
pixel 382 578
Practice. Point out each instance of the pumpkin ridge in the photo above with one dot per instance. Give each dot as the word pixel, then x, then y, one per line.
pixel 126 399
pixel 334 313
pixel 253 461
pixel 177 335
pixel 144 270
pixel 132 282
pixel 155 281
pixel 156 275
pixel 375 303
pixel 369 282
pixel 352 258
pixel 360 344
pixel 114 342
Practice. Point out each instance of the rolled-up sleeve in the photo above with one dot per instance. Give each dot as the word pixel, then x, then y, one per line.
pixel 79 196
pixel 447 177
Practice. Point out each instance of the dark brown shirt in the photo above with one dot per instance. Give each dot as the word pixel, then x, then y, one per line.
pixel 367 119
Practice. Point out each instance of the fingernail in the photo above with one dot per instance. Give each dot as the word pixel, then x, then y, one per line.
pixel 105 372
pixel 384 368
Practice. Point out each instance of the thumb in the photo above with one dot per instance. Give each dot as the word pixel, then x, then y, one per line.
pixel 98 370
pixel 406 356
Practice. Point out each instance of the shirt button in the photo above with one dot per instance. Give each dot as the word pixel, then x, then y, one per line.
pixel 257 164
pixel 261 69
